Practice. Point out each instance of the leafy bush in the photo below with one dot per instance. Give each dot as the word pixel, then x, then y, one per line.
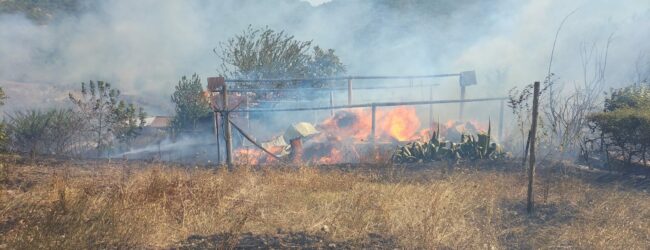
pixel 106 117
pixel 38 132
pixel 625 123
pixel 191 104
pixel 266 54
pixel 27 131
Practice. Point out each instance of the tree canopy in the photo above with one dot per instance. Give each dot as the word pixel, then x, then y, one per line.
pixel 625 122
pixel 264 53
pixel 191 104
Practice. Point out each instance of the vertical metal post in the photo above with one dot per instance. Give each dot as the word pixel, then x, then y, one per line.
pixel 501 110
pixel 462 103
pixel 349 91
pixel 331 102
pixel 248 115
pixel 374 124
pixel 226 122
pixel 531 165
pixel 431 106
pixel 216 136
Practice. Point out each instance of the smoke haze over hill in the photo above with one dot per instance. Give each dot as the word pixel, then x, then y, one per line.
pixel 143 47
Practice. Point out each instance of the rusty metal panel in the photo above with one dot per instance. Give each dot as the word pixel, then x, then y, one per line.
pixel 216 83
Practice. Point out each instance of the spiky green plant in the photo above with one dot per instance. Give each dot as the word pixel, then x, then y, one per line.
pixel 470 148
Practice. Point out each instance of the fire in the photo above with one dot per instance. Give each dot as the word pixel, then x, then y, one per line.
pixel 252 156
pixel 398 123
pixel 340 134
pixel 334 156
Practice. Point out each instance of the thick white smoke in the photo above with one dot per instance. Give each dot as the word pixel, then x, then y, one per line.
pixel 143 47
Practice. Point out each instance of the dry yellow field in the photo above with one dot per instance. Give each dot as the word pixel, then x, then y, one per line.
pixel 68 205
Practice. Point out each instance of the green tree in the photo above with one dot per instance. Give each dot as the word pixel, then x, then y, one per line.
pixel 191 104
pixel 106 117
pixel 129 122
pixel 3 126
pixel 3 97
pixel 625 123
pixel 267 54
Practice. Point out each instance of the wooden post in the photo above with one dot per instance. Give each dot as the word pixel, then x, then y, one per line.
pixel 462 103
pixel 216 136
pixel 331 102
pixel 531 165
pixel 349 91
pixel 226 123
pixel 501 110
pixel 374 124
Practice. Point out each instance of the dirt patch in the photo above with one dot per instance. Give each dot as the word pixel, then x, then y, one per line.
pixel 298 240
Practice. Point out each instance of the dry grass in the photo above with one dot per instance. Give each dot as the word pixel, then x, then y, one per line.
pixel 156 206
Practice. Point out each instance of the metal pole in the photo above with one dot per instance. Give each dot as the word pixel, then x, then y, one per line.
pixel 331 103
pixel 216 135
pixel 501 110
pixel 367 105
pixel 349 91
pixel 430 107
pixel 531 165
pixel 374 123
pixel 248 117
pixel 462 104
pixel 226 122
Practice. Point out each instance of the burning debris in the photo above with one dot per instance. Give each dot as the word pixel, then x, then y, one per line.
pixel 345 137
pixel 396 124
pixel 338 138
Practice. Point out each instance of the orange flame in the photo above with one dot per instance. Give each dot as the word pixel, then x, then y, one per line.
pixel 339 132
pixel 399 123
pixel 252 156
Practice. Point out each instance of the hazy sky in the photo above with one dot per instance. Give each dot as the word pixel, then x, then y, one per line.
pixel 316 2
pixel 145 46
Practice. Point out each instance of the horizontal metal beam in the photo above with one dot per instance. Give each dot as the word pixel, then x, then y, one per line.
pixel 367 105
pixel 340 78
pixel 329 89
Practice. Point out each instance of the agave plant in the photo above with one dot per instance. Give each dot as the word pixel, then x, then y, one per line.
pixel 470 148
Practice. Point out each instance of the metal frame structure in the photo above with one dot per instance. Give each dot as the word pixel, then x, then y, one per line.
pixel 220 85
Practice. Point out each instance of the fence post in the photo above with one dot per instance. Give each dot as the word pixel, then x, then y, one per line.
pixel 349 91
pixel 462 103
pixel 531 165
pixel 331 102
pixel 248 115
pixel 216 135
pixel 501 110
pixel 226 123
pixel 431 107
pixel 374 126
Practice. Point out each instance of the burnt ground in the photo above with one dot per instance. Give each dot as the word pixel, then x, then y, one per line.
pixel 297 240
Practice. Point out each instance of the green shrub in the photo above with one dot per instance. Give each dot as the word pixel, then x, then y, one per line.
pixel 625 123
pixel 38 132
